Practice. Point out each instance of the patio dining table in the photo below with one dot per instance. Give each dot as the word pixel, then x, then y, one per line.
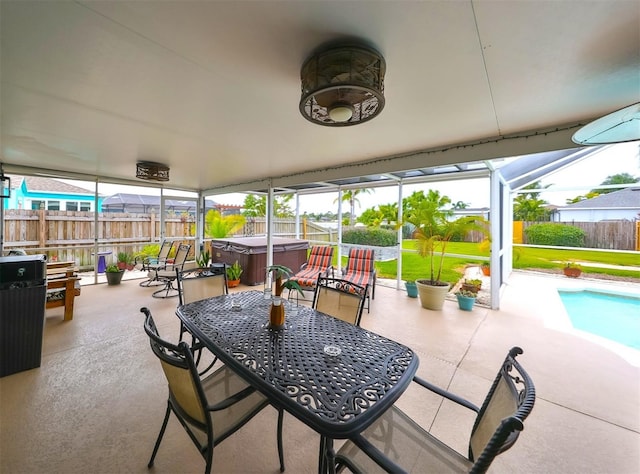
pixel 333 376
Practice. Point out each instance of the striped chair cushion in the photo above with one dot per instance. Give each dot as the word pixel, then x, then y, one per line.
pixel 319 261
pixel 360 267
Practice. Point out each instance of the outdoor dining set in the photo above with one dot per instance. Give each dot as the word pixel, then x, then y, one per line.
pixel 320 367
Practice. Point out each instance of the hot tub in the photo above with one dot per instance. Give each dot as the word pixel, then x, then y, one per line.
pixel 251 254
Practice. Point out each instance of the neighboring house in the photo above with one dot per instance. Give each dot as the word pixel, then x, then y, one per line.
pixel 618 205
pixel 34 192
pixel 143 204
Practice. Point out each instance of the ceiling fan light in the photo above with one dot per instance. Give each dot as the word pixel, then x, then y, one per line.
pixel 342 85
pixel 341 112
pixel 150 171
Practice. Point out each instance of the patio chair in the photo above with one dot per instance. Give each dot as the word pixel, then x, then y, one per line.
pixel 318 263
pixel 396 443
pixel 360 270
pixel 340 299
pixel 195 285
pixel 152 264
pixel 168 275
pixel 209 409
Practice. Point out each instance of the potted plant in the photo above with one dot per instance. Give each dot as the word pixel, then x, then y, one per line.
pixel 572 270
pixel 203 260
pixel 473 285
pixel 434 229
pixel 412 289
pixel 125 261
pixel 233 275
pixel 114 274
pixel 486 269
pixel 466 299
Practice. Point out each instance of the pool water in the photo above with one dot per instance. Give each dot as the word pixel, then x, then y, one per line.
pixel 613 316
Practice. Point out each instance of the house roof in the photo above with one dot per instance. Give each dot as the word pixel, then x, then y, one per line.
pixel 120 200
pixel 626 198
pixel 39 184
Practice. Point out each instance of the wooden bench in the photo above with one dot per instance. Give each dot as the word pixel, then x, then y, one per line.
pixel 63 285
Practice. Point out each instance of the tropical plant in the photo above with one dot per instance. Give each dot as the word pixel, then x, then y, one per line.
pixel 466 294
pixel 434 229
pixel 528 206
pixel 280 272
pixel 293 285
pixel 234 271
pixel 203 259
pixel 218 226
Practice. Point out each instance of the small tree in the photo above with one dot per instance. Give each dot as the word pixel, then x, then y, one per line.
pixel 620 178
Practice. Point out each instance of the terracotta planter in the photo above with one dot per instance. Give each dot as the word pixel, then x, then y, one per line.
pixel 233 283
pixel 486 270
pixel 432 296
pixel 572 272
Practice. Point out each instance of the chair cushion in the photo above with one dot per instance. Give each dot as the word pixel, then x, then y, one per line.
pixel 319 261
pixel 407 444
pixel 360 267
pixel 307 277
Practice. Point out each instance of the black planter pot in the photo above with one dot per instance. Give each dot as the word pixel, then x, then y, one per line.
pixel 114 278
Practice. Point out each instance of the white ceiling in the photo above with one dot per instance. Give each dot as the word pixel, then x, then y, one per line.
pixel 211 88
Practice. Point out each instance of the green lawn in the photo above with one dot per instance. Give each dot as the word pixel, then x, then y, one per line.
pixel 414 267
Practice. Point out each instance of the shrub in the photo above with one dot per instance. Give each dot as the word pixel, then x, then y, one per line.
pixel 560 235
pixel 370 236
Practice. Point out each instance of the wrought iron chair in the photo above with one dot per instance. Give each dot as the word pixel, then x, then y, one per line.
pixel 212 408
pixel 168 275
pixel 195 285
pixel 360 270
pixel 396 443
pixel 340 299
pixel 318 263
pixel 152 264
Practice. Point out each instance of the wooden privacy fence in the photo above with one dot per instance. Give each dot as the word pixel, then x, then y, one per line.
pixel 611 235
pixel 71 234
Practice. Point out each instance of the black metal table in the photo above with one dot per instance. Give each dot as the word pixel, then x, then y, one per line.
pixel 336 395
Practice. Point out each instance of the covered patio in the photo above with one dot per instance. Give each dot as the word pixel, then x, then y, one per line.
pixel 97 401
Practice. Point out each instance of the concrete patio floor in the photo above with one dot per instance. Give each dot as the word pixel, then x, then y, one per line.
pixel 97 401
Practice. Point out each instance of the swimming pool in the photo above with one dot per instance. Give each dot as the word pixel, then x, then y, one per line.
pixel 613 316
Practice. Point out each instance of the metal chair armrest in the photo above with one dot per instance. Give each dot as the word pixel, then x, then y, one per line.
pixel 448 395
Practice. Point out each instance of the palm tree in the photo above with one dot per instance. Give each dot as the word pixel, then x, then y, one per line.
pixel 350 197
pixel 528 206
